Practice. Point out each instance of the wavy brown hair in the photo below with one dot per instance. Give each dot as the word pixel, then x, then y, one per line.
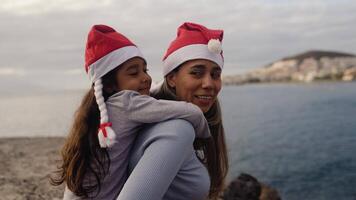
pixel 84 164
pixel 214 148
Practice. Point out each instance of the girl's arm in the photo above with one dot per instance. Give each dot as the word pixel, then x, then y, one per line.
pixel 146 109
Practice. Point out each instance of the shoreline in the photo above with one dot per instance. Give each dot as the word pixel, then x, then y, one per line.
pixel 322 81
pixel 27 163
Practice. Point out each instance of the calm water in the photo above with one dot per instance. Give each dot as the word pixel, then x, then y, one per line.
pixel 299 138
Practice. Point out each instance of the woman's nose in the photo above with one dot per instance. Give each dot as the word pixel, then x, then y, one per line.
pixel 207 82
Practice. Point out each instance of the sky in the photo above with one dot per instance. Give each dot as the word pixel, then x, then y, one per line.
pixel 42 41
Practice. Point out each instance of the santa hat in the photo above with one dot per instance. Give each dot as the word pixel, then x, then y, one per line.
pixel 105 50
pixel 193 41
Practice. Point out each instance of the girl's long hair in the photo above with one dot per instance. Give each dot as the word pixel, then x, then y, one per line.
pixel 214 148
pixel 84 164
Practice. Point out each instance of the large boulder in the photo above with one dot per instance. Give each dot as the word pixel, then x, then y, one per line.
pixel 247 187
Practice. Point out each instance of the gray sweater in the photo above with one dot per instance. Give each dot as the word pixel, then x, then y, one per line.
pixel 163 165
pixel 128 111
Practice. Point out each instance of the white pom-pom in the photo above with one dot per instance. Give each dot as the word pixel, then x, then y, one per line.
pixel 106 136
pixel 214 45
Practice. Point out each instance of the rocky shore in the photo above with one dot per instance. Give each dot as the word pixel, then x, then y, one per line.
pixel 26 164
pixel 306 67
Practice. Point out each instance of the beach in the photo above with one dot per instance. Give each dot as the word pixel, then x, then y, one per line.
pixel 25 166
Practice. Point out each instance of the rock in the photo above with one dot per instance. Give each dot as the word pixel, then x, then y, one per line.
pixel 247 187
pixel 268 193
pixel 244 187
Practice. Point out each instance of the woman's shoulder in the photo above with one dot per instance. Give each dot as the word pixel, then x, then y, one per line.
pixel 177 130
pixel 169 127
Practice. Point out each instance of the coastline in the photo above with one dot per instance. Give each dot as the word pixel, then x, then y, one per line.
pixel 236 80
pixel 26 164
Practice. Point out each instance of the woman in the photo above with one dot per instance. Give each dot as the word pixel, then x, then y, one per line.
pixel 164 164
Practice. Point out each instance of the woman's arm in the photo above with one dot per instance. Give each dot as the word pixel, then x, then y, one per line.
pixel 159 155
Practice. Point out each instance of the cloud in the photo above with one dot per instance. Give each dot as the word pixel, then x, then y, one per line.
pixel 9 71
pixel 51 35
pixel 73 72
pixel 30 7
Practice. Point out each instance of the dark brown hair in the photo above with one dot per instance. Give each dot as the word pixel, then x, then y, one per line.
pixel 84 164
pixel 214 148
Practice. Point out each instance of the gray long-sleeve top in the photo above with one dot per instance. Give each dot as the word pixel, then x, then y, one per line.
pixel 128 111
pixel 163 165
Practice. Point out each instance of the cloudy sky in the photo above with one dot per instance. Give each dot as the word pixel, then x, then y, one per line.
pixel 42 41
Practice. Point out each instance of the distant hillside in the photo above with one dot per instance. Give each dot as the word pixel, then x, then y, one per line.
pixel 305 67
pixel 317 54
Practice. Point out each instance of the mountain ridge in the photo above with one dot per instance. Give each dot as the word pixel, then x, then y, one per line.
pixel 318 54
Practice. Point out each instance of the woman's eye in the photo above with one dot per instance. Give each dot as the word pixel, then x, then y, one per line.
pixel 216 74
pixel 197 72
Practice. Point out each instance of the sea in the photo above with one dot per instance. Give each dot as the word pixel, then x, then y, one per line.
pixel 298 138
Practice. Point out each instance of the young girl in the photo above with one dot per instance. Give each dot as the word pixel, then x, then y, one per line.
pixel 95 155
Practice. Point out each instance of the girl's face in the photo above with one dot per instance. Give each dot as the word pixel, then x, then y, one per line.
pixel 197 81
pixel 132 75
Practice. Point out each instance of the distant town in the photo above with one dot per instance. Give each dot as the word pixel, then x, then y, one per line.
pixel 305 67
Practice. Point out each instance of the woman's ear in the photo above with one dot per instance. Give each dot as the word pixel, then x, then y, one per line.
pixel 171 80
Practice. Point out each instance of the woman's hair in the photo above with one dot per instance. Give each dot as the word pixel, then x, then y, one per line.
pixel 84 163
pixel 214 148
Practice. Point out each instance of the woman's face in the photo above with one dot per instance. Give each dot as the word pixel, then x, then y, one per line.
pixel 197 81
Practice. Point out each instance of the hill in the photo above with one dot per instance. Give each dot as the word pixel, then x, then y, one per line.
pixel 317 54
pixel 308 66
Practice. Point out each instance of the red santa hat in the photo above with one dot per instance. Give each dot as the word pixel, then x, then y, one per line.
pixel 193 41
pixel 105 50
